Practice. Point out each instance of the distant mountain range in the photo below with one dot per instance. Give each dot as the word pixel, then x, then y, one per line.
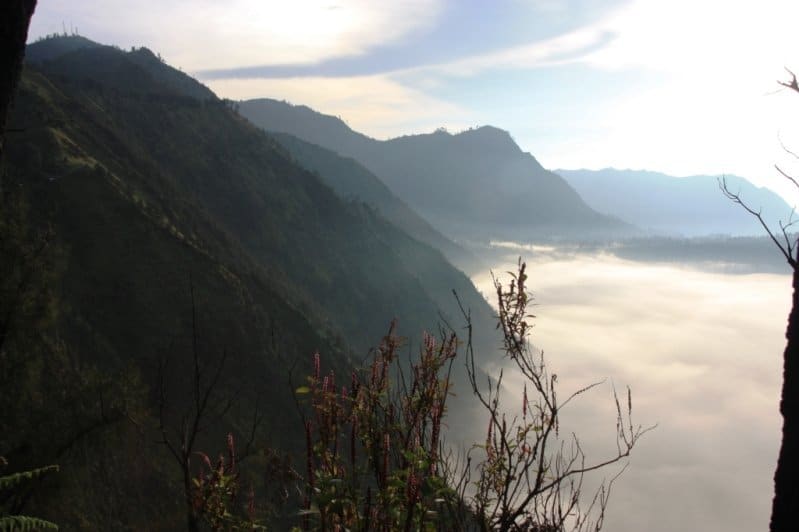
pixel 687 206
pixel 473 185
pixel 479 185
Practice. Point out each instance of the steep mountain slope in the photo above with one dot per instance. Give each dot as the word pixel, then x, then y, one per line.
pixel 140 263
pixel 351 180
pixel 301 121
pixel 139 70
pixel 474 185
pixel 183 225
pixel 282 215
pixel 689 206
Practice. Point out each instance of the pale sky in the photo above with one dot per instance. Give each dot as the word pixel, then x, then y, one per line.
pixel 680 86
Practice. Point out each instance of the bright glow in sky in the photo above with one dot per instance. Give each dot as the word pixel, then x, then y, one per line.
pixel 682 87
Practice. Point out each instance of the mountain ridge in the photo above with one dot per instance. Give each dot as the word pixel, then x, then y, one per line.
pixel 473 185
pixel 690 206
pixel 187 230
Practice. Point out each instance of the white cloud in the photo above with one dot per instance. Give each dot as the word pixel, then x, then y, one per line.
pixel 701 38
pixel 376 105
pixel 702 354
pixel 557 50
pixel 207 34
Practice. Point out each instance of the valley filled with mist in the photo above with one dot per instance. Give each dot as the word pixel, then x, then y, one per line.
pixel 696 347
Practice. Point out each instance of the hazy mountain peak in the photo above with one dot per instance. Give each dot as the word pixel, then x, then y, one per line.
pixel 145 54
pixel 490 138
pixel 53 47
pixel 138 69
pixel 282 110
pixel 487 132
pixel 474 184
pixel 301 121
pixel 489 141
pixel 691 205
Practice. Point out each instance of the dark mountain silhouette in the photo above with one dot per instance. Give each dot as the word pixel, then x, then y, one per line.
pixel 689 206
pixel 152 185
pixel 140 70
pixel 279 213
pixel 476 184
pixel 52 48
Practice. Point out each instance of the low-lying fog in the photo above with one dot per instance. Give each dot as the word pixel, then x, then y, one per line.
pixel 702 353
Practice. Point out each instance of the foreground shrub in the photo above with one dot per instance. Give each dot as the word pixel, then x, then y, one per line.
pixel 376 461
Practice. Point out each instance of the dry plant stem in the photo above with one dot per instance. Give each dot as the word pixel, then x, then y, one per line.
pixel 377 459
pixel 373 450
pixel 207 406
pixel 529 478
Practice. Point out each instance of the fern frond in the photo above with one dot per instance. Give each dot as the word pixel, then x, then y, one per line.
pixel 12 481
pixel 22 523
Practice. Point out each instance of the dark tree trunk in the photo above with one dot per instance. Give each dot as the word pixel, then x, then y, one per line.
pixel 785 508
pixel 15 16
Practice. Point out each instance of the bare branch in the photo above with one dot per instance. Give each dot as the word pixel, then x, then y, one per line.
pixel 787 251
pixel 530 478
pixel 786 175
pixel 792 84
pixel 205 406
pixel 257 418
pixel 788 150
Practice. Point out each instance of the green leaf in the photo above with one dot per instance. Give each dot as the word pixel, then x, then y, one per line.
pixel 302 390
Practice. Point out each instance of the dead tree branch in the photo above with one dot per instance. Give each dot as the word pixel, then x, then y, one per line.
pixel 792 84
pixel 787 249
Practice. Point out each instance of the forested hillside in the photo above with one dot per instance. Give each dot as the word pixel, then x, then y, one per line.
pixel 154 232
